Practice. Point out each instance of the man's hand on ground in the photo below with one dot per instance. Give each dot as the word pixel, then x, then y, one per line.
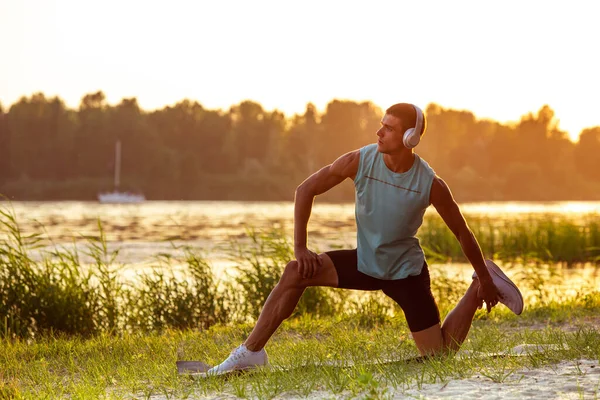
pixel 489 293
pixel 308 262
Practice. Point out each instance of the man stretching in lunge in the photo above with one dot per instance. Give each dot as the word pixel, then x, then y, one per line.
pixel 394 186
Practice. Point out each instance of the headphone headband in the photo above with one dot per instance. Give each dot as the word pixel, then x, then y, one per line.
pixel 419 121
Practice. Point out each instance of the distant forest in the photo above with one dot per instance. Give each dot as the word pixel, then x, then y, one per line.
pixel 187 152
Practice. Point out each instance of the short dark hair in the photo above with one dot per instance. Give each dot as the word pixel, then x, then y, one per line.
pixel 408 115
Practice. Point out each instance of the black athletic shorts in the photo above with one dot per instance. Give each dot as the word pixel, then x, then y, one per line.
pixel 413 293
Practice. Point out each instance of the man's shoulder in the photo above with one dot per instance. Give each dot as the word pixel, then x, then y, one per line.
pixel 440 192
pixel 368 151
pixel 365 150
pixel 347 164
pixel 427 166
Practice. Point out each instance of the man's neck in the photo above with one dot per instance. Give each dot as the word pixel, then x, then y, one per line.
pixel 400 162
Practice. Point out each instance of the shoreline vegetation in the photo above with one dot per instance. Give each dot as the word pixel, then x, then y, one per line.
pixel 70 331
pixel 187 152
pixel 58 293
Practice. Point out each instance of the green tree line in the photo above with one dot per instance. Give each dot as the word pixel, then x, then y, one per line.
pixel 49 151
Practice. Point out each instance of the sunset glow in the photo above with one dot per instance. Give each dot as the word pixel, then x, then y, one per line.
pixel 499 60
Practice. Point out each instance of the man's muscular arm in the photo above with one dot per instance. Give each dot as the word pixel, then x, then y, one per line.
pixel 318 183
pixel 443 201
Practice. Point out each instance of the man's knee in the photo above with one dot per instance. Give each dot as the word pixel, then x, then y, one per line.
pixel 429 341
pixel 291 277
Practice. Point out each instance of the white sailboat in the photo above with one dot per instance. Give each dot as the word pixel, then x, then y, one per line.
pixel 117 196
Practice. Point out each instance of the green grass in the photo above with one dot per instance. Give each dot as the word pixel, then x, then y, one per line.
pixel 59 294
pixel 143 365
pixel 545 238
pixel 77 332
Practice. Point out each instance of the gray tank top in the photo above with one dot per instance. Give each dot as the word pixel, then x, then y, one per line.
pixel 389 211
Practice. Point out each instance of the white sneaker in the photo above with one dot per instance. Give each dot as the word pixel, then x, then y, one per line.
pixel 240 359
pixel 510 295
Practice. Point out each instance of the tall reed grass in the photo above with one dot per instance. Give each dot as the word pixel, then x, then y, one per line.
pixel 548 238
pixel 60 294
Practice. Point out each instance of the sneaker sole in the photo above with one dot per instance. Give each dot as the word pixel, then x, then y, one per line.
pixel 498 272
pixel 228 372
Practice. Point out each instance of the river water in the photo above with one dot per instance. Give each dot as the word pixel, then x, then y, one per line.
pixel 141 231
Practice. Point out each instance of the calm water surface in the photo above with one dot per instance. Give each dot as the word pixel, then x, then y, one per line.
pixel 141 231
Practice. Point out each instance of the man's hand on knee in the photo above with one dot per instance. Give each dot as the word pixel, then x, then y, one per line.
pixel 308 262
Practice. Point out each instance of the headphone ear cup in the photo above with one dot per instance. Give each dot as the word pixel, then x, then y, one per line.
pixel 411 138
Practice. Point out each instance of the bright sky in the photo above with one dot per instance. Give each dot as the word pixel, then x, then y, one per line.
pixel 499 59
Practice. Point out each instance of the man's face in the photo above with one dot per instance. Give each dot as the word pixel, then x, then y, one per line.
pixel 390 135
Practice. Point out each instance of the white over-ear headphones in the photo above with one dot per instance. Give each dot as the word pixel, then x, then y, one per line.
pixel 412 136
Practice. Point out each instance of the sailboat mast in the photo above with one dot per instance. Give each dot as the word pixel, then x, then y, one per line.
pixel 117 165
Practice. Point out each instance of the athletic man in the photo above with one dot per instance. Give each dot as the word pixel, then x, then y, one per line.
pixel 394 186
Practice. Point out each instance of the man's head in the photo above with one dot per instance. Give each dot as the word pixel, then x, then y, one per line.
pixel 394 124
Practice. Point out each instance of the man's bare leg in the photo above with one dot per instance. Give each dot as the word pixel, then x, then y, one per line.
pixel 455 328
pixel 285 296
pixel 458 322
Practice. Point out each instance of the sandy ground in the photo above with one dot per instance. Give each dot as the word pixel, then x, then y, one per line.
pixel 576 379
pixel 573 379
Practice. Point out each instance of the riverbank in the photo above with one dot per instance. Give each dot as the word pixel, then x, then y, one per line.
pixel 133 365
